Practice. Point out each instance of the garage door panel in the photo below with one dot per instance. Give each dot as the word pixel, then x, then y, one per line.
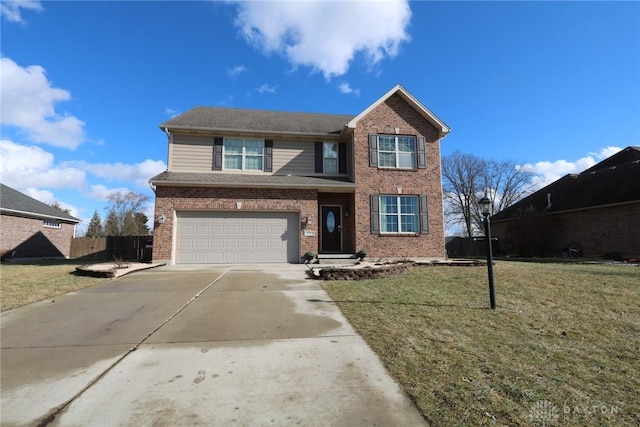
pixel 237 237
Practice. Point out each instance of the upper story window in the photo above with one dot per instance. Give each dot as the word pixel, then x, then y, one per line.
pixel 243 154
pixel 330 157
pixel 50 223
pixel 397 151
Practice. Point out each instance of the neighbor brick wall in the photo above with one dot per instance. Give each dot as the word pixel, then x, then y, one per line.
pixel 385 118
pixel 596 231
pixel 29 238
pixel 171 199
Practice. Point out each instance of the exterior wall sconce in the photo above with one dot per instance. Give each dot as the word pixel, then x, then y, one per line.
pixel 162 219
pixel 308 220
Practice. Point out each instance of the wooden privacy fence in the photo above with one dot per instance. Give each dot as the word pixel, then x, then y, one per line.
pixel 111 247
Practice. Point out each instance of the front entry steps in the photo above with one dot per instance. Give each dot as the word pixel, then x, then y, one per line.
pixel 335 259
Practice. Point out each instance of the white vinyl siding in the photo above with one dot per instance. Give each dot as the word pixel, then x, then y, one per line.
pixel 191 154
pixel 293 157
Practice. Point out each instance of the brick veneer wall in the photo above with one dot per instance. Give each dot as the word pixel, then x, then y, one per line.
pixel 597 231
pixel 171 199
pixel 29 238
pixel 384 119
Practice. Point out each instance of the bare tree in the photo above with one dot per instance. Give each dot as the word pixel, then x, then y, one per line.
pixel 462 180
pixel 467 178
pixel 124 212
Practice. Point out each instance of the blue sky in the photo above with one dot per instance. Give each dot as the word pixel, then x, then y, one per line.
pixel 551 85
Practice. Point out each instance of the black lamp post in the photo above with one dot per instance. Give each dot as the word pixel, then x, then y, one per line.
pixel 485 207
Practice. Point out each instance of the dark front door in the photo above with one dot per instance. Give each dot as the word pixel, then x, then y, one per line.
pixel 331 229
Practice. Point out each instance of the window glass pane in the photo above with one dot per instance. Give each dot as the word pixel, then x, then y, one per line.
pixel 388 204
pixel 387 160
pixel 406 160
pixel 406 143
pixel 253 163
pixel 233 146
pixel 232 162
pixel 253 147
pixel 387 143
pixel 389 223
pixel 330 150
pixel 409 223
pixel 331 165
pixel 408 204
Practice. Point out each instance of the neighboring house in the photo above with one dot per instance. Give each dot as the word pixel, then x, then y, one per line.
pixel 30 228
pixel 265 186
pixel 594 214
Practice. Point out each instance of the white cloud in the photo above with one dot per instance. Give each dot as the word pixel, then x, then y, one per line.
pixel 550 171
pixel 11 10
pixel 25 166
pixel 138 173
pixel 325 35
pixel 28 100
pixel 347 89
pixel 236 71
pixel 265 88
pixel 170 112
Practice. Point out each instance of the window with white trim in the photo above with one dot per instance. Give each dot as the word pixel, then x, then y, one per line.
pixel 330 157
pixel 50 223
pixel 243 154
pixel 397 151
pixel 399 214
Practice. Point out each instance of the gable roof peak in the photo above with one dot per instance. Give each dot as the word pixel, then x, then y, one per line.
pixel 443 129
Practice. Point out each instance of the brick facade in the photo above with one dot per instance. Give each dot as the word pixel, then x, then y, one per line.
pixel 172 199
pixel 598 232
pixel 28 237
pixel 394 113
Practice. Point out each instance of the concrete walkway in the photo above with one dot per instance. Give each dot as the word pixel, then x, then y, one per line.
pixel 235 345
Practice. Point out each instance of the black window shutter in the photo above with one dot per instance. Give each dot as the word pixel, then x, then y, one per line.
pixel 268 155
pixel 373 150
pixel 424 215
pixel 319 157
pixel 217 153
pixel 375 214
pixel 342 158
pixel 422 153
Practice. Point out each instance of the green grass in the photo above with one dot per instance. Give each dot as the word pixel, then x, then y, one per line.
pixel 26 282
pixel 567 334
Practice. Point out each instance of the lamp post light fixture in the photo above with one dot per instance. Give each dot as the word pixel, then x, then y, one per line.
pixel 485 208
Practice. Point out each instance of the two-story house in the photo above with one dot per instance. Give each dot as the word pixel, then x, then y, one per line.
pixel 254 186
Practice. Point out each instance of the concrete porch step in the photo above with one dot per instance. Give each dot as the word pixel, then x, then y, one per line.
pixel 337 259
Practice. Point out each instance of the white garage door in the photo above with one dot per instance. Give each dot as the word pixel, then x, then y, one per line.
pixel 237 237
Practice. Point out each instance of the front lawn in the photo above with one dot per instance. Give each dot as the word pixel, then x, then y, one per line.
pixel 563 348
pixel 26 282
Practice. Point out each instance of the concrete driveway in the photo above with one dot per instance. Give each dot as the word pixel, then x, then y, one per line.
pixel 234 345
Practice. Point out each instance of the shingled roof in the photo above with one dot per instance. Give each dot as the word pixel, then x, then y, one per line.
pixel 612 181
pixel 258 121
pixel 254 181
pixel 13 202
